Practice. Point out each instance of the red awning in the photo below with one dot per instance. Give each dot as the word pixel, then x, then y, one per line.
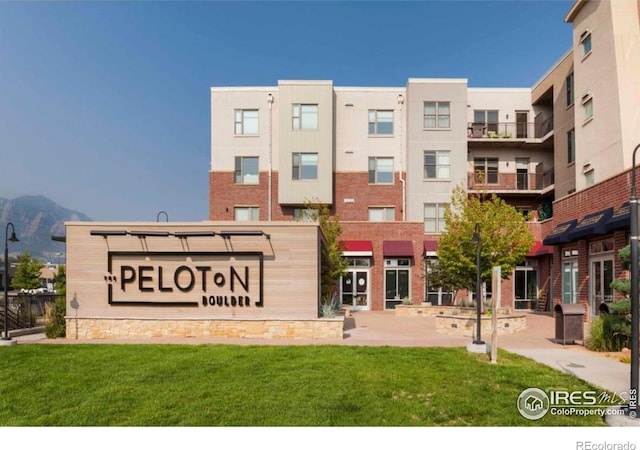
pixel 397 248
pixel 430 248
pixel 539 249
pixel 356 248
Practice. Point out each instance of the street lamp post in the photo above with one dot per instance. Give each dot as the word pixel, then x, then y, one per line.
pixel 476 239
pixel 13 238
pixel 633 209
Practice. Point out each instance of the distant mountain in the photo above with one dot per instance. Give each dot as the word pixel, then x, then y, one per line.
pixel 36 219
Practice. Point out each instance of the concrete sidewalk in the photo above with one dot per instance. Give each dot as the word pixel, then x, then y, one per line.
pixel 383 328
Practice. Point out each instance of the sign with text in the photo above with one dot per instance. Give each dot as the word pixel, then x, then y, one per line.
pixel 195 279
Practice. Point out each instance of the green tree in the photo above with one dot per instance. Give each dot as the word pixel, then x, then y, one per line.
pixel 332 262
pixel 56 324
pixel 504 235
pixel 27 274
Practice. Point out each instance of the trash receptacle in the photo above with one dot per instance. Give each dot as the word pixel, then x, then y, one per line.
pixel 569 323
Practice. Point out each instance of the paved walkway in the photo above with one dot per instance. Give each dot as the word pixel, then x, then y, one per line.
pixel 385 329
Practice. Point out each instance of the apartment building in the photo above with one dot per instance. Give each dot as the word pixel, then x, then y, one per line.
pixel 387 159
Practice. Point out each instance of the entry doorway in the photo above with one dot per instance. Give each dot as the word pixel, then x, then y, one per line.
pixel 601 278
pixel 355 289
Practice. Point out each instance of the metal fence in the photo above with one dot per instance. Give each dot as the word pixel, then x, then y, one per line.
pixel 25 310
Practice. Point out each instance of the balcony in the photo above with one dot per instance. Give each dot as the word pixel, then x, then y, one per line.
pixel 511 130
pixel 509 182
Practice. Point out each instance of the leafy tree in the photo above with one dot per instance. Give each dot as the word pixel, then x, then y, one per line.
pixel 56 324
pixel 332 262
pixel 504 235
pixel 27 274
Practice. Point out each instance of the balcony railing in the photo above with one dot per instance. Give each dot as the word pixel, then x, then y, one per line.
pixel 503 181
pixel 510 130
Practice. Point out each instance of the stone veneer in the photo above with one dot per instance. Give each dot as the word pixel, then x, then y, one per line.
pixel 434 310
pixel 465 325
pixel 98 328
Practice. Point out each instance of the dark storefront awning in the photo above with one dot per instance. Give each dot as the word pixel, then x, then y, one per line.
pixel 560 233
pixel 591 224
pixel 620 219
pixel 356 248
pixel 397 248
pixel 539 249
pixel 430 248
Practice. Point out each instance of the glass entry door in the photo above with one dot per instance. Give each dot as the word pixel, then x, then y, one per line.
pixel 355 289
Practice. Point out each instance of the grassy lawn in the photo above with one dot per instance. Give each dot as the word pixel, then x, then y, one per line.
pixel 210 385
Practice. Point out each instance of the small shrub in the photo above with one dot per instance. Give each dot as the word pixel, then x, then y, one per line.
pixel 329 306
pixel 407 301
pixel 608 332
pixel 56 325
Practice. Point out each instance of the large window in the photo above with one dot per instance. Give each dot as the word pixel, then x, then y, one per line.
pixel 434 217
pixel 246 170
pixel 570 89
pixel 570 281
pixel 571 146
pixel 304 166
pixel 380 170
pixel 396 281
pixel 485 170
pixel 304 117
pixel 437 115
pixel 246 122
pixel 434 293
pixel 437 165
pixel 488 118
pixel 380 122
pixel 382 214
pixel 246 213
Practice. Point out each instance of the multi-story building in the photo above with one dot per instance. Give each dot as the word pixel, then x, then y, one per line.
pixel 387 160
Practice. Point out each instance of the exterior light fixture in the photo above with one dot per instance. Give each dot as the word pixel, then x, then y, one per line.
pixel 13 238
pixel 227 234
pixel 165 214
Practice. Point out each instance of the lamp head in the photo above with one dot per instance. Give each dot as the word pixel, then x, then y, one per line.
pixel 476 235
pixel 13 237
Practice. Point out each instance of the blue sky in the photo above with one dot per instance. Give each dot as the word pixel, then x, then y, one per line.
pixel 104 106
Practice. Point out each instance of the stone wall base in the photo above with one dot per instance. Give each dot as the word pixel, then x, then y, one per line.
pixel 466 326
pixel 100 328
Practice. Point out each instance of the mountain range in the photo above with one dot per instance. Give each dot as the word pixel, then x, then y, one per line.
pixel 35 219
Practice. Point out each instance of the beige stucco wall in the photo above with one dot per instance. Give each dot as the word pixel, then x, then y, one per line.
pixel 419 139
pixel 290 272
pixel 320 141
pixel 354 145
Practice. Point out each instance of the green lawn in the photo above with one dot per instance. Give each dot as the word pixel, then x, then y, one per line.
pixel 216 385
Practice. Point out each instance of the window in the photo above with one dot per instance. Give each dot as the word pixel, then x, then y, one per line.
pixel 380 122
pixel 585 41
pixel 305 166
pixel 396 282
pixel 434 217
pixel 587 104
pixel 571 146
pixel 570 89
pixel 304 117
pixel 437 164
pixel 589 177
pixel 246 170
pixel 246 213
pixel 434 292
pixel 488 118
pixel 246 122
pixel 437 115
pixel 305 214
pixel 569 281
pixel 485 170
pixel 526 287
pixel 382 214
pixel 380 170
